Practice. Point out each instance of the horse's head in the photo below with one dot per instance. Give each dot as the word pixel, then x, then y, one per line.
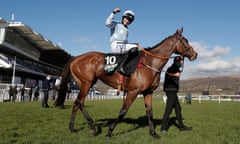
pixel 183 47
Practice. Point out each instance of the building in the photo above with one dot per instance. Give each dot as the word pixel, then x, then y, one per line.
pixel 26 57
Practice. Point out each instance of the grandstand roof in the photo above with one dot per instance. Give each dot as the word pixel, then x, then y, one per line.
pixel 33 36
pixel 47 51
pixel 50 52
pixel 22 41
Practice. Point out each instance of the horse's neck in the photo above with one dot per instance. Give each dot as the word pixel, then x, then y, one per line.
pixel 164 50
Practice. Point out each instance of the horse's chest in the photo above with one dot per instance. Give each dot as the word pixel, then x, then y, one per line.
pixel 155 81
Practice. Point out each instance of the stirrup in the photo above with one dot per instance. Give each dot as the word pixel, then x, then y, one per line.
pixel 120 82
pixel 119 89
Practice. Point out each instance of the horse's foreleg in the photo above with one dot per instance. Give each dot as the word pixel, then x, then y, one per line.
pixel 76 106
pixel 149 112
pixel 121 115
pixel 127 103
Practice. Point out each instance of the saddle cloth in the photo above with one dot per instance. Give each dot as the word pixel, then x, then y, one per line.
pixel 113 61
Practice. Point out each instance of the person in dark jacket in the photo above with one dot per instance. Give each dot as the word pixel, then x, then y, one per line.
pixel 13 93
pixel 45 89
pixel 36 93
pixel 22 92
pixel 30 93
pixel 171 87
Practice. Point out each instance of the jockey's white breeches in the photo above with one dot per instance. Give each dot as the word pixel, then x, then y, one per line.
pixel 118 47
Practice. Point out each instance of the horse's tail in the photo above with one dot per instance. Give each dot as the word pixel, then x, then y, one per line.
pixel 63 85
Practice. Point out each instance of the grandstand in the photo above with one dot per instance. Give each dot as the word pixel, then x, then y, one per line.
pixel 26 57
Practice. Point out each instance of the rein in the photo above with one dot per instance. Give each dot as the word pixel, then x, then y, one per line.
pixel 147 52
pixel 150 67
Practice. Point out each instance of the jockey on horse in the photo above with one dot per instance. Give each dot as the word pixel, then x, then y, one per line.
pixel 120 45
pixel 119 36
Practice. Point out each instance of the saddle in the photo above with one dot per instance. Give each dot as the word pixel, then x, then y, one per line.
pixel 126 62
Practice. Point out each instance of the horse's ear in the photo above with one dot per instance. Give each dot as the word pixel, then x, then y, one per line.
pixel 179 32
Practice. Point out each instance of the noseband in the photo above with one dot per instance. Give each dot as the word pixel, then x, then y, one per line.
pixel 186 49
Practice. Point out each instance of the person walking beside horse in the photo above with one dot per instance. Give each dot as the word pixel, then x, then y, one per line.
pixel 171 87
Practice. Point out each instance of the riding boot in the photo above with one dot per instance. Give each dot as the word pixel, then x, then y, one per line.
pixel 122 69
pixel 126 65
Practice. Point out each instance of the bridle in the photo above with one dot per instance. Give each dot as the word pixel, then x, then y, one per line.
pixel 186 48
pixel 180 39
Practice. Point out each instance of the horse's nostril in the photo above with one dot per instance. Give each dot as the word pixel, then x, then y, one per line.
pixel 194 56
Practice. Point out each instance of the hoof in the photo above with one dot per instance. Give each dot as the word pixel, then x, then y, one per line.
pixel 155 135
pixel 71 128
pixel 93 132
pixel 108 135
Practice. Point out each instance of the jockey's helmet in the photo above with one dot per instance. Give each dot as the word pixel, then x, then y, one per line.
pixel 130 15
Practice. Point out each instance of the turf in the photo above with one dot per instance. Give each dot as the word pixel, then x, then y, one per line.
pixel 28 123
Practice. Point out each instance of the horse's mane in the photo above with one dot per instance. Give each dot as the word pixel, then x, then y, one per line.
pixel 153 47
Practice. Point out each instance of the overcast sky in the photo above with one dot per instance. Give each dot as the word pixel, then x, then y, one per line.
pixel 212 27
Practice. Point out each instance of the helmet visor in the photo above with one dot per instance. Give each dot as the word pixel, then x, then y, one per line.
pixel 129 17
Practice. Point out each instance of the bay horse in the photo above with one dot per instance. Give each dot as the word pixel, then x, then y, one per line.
pixel 87 68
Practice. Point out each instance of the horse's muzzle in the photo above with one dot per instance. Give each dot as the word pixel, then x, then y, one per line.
pixel 193 57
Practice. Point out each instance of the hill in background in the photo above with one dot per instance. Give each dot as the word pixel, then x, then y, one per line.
pixel 214 85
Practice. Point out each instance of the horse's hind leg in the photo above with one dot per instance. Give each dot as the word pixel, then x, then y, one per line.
pixel 89 120
pixel 79 104
pixel 76 106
